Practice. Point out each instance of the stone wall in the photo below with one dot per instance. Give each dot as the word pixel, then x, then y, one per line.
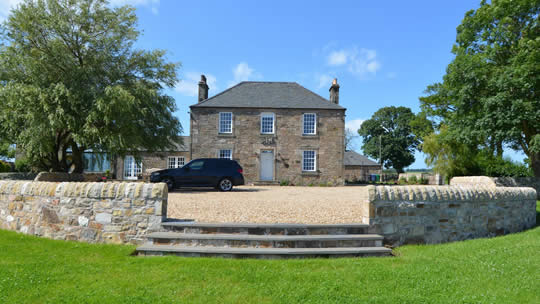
pixel 90 212
pixel 439 214
pixel 69 177
pixel 287 144
pixel 533 182
pixel 17 176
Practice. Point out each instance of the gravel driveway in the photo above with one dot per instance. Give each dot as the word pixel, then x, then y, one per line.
pixel 270 204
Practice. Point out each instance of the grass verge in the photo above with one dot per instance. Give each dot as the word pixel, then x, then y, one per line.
pixel 497 270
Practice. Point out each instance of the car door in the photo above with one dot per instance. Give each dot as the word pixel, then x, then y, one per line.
pixel 190 174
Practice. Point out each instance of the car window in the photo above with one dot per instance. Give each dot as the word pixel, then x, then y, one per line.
pixel 196 165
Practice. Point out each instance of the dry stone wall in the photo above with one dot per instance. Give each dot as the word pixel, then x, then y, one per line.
pixel 439 214
pixel 90 212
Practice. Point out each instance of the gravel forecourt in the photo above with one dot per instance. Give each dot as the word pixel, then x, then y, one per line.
pixel 269 204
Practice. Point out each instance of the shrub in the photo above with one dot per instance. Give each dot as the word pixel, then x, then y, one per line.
pixel 22 165
pixel 4 166
pixel 402 181
pixel 284 183
pixel 424 181
pixel 413 180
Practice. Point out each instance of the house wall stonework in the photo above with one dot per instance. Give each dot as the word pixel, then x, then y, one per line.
pixel 287 142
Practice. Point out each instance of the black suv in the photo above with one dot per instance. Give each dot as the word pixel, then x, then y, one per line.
pixel 222 174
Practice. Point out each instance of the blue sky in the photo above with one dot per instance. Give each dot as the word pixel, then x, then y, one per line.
pixel 383 53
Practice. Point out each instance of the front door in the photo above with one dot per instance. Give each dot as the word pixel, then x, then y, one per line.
pixel 267 165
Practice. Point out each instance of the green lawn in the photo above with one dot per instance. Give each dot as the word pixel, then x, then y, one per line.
pixel 498 270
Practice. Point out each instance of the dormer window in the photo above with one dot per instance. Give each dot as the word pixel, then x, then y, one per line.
pixel 267 123
pixel 310 124
pixel 225 122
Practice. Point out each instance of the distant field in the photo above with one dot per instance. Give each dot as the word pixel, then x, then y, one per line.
pixel 498 270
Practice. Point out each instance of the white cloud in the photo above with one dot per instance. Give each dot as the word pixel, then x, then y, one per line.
pixel 324 80
pixel 337 57
pixel 190 85
pixel 361 62
pixel 243 72
pixel 354 125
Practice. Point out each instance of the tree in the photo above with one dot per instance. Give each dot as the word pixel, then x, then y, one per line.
pixel 489 96
pixel 390 129
pixel 71 80
pixel 349 140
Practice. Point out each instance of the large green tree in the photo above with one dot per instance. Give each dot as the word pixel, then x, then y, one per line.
pixel 390 130
pixel 489 97
pixel 71 80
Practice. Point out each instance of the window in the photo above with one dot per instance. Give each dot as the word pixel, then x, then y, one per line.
pixel 267 123
pixel 96 162
pixel 308 161
pixel 225 153
pixel 196 165
pixel 310 123
pixel 132 168
pixel 225 122
pixel 176 162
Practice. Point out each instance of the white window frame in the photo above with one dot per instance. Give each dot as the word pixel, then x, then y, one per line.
pixel 176 162
pixel 314 161
pixel 314 124
pixel 268 114
pixel 220 121
pixel 219 154
pixel 133 169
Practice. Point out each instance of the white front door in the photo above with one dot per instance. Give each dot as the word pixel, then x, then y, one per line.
pixel 267 165
pixel 132 169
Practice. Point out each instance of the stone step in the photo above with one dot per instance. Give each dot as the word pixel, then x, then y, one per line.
pixel 266 183
pixel 266 229
pixel 260 253
pixel 265 241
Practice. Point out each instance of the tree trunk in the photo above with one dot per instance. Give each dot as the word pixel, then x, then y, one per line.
pixel 77 158
pixel 535 163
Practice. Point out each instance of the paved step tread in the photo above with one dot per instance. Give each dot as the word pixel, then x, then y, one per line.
pixel 265 251
pixel 250 237
pixel 262 226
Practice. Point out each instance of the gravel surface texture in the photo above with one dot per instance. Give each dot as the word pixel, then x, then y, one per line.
pixel 270 204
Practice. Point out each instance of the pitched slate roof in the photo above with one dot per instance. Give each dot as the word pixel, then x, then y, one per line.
pixel 354 159
pixel 257 94
pixel 182 147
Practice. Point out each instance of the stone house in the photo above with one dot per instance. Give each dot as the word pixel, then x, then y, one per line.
pixel 277 131
pixel 358 167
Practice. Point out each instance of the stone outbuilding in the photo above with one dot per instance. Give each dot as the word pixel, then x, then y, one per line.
pixel 358 167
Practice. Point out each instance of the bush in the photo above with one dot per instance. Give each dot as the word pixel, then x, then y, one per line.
pixel 413 180
pixel 402 181
pixel 284 183
pixel 501 167
pixel 424 181
pixel 4 166
pixel 22 165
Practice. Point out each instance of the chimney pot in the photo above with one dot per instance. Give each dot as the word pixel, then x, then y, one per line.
pixel 334 92
pixel 203 89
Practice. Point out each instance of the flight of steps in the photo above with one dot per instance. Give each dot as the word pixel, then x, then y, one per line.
pixel 263 241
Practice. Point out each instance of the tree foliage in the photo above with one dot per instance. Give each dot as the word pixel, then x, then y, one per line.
pixel 390 129
pixel 489 96
pixel 71 80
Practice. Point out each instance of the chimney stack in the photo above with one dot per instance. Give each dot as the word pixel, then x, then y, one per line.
pixel 334 92
pixel 203 89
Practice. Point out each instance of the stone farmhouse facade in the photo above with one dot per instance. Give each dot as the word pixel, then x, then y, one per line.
pixel 277 131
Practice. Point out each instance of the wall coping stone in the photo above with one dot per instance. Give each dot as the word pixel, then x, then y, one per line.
pixel 449 193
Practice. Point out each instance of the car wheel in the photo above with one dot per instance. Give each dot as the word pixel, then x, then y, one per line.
pixel 169 183
pixel 225 185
